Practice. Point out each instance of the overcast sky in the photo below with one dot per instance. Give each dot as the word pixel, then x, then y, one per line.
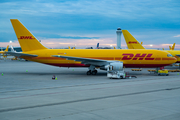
pixel 62 23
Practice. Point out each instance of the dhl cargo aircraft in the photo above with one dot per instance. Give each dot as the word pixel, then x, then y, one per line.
pixel 172 48
pixel 33 50
pixel 3 52
pixel 132 43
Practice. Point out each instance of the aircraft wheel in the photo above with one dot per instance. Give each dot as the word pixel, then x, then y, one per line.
pixel 88 72
pixel 94 72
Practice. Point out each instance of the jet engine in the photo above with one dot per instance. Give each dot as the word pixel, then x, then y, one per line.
pixel 115 66
pixel 115 70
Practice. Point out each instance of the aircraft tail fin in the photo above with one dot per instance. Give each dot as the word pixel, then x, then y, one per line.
pixel 26 40
pixel 6 50
pixel 97 45
pixel 173 46
pixel 12 49
pixel 131 42
pixel 170 48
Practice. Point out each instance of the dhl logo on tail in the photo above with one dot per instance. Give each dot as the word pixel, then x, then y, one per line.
pixel 26 37
pixel 133 42
pixel 137 56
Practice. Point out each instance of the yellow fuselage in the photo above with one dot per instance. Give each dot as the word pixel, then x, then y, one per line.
pixel 174 53
pixel 130 58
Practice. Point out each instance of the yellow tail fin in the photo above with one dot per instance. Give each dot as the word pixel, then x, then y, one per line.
pixel 170 48
pixel 173 46
pixel 7 48
pixel 131 42
pixel 26 40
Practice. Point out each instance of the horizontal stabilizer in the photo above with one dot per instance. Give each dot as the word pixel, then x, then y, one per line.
pixel 18 54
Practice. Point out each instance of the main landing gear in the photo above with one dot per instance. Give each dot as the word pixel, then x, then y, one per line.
pixel 92 70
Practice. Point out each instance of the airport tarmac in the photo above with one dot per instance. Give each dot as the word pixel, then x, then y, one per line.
pixel 27 92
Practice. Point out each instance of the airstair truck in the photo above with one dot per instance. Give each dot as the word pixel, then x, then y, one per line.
pixel 115 70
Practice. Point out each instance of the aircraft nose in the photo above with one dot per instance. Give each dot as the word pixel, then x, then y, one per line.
pixel 174 59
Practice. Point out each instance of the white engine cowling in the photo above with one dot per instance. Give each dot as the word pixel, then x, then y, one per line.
pixel 115 70
pixel 115 66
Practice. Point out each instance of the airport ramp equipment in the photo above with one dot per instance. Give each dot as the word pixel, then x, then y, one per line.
pixel 115 70
pixel 163 72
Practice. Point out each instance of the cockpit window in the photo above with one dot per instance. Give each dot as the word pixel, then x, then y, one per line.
pixel 169 55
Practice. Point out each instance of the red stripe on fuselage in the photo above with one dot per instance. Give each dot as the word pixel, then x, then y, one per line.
pixel 168 58
pixel 126 65
pixel 67 65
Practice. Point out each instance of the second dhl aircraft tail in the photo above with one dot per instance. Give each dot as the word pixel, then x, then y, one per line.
pixel 172 48
pixel 26 40
pixel 131 42
pixel 6 50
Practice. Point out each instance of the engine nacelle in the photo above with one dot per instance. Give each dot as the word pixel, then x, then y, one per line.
pixel 115 70
pixel 115 66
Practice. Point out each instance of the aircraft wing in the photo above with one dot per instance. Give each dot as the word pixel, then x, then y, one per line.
pixel 91 61
pixel 19 54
